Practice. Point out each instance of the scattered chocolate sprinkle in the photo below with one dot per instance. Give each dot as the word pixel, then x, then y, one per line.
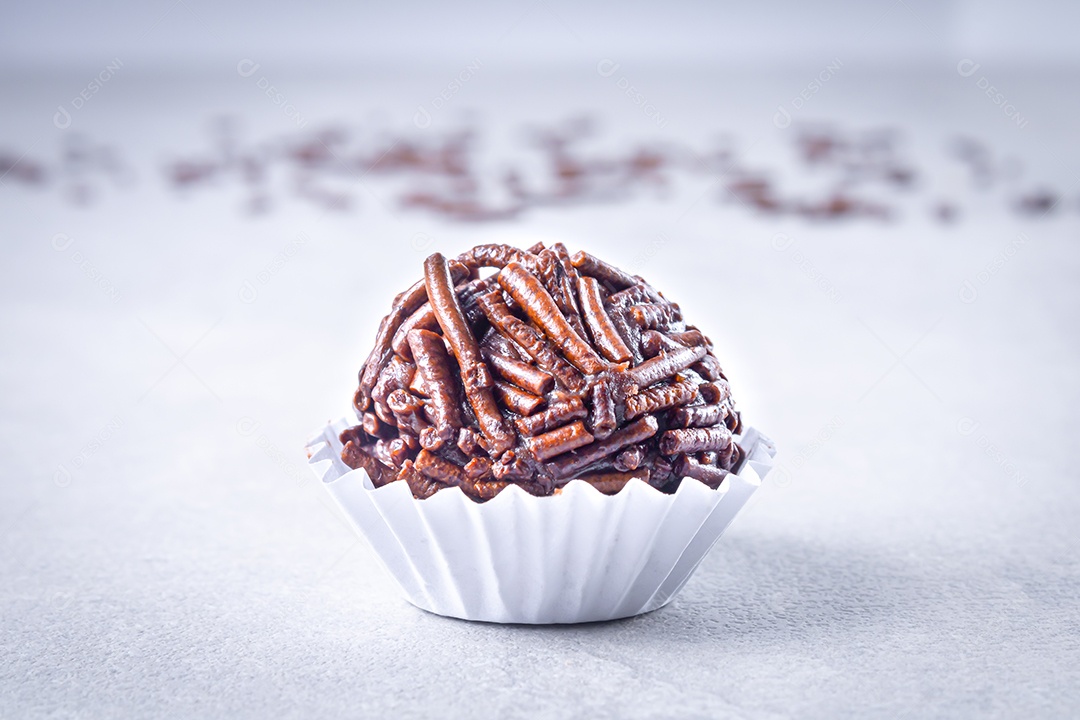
pixel 946 212
pixel 1037 203
pixel 863 175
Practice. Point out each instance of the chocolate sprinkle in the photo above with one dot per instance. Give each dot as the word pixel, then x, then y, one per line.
pixel 528 391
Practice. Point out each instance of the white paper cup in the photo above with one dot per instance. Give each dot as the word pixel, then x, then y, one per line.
pixel 578 556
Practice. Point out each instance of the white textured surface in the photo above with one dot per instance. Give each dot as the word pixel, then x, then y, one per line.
pixel 911 563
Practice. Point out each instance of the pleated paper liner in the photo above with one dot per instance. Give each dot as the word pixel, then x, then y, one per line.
pixel 579 556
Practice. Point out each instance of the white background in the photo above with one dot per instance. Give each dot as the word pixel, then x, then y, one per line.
pixel 164 551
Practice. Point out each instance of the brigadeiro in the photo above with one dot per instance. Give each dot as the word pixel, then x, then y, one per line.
pixel 537 367
pixel 539 437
